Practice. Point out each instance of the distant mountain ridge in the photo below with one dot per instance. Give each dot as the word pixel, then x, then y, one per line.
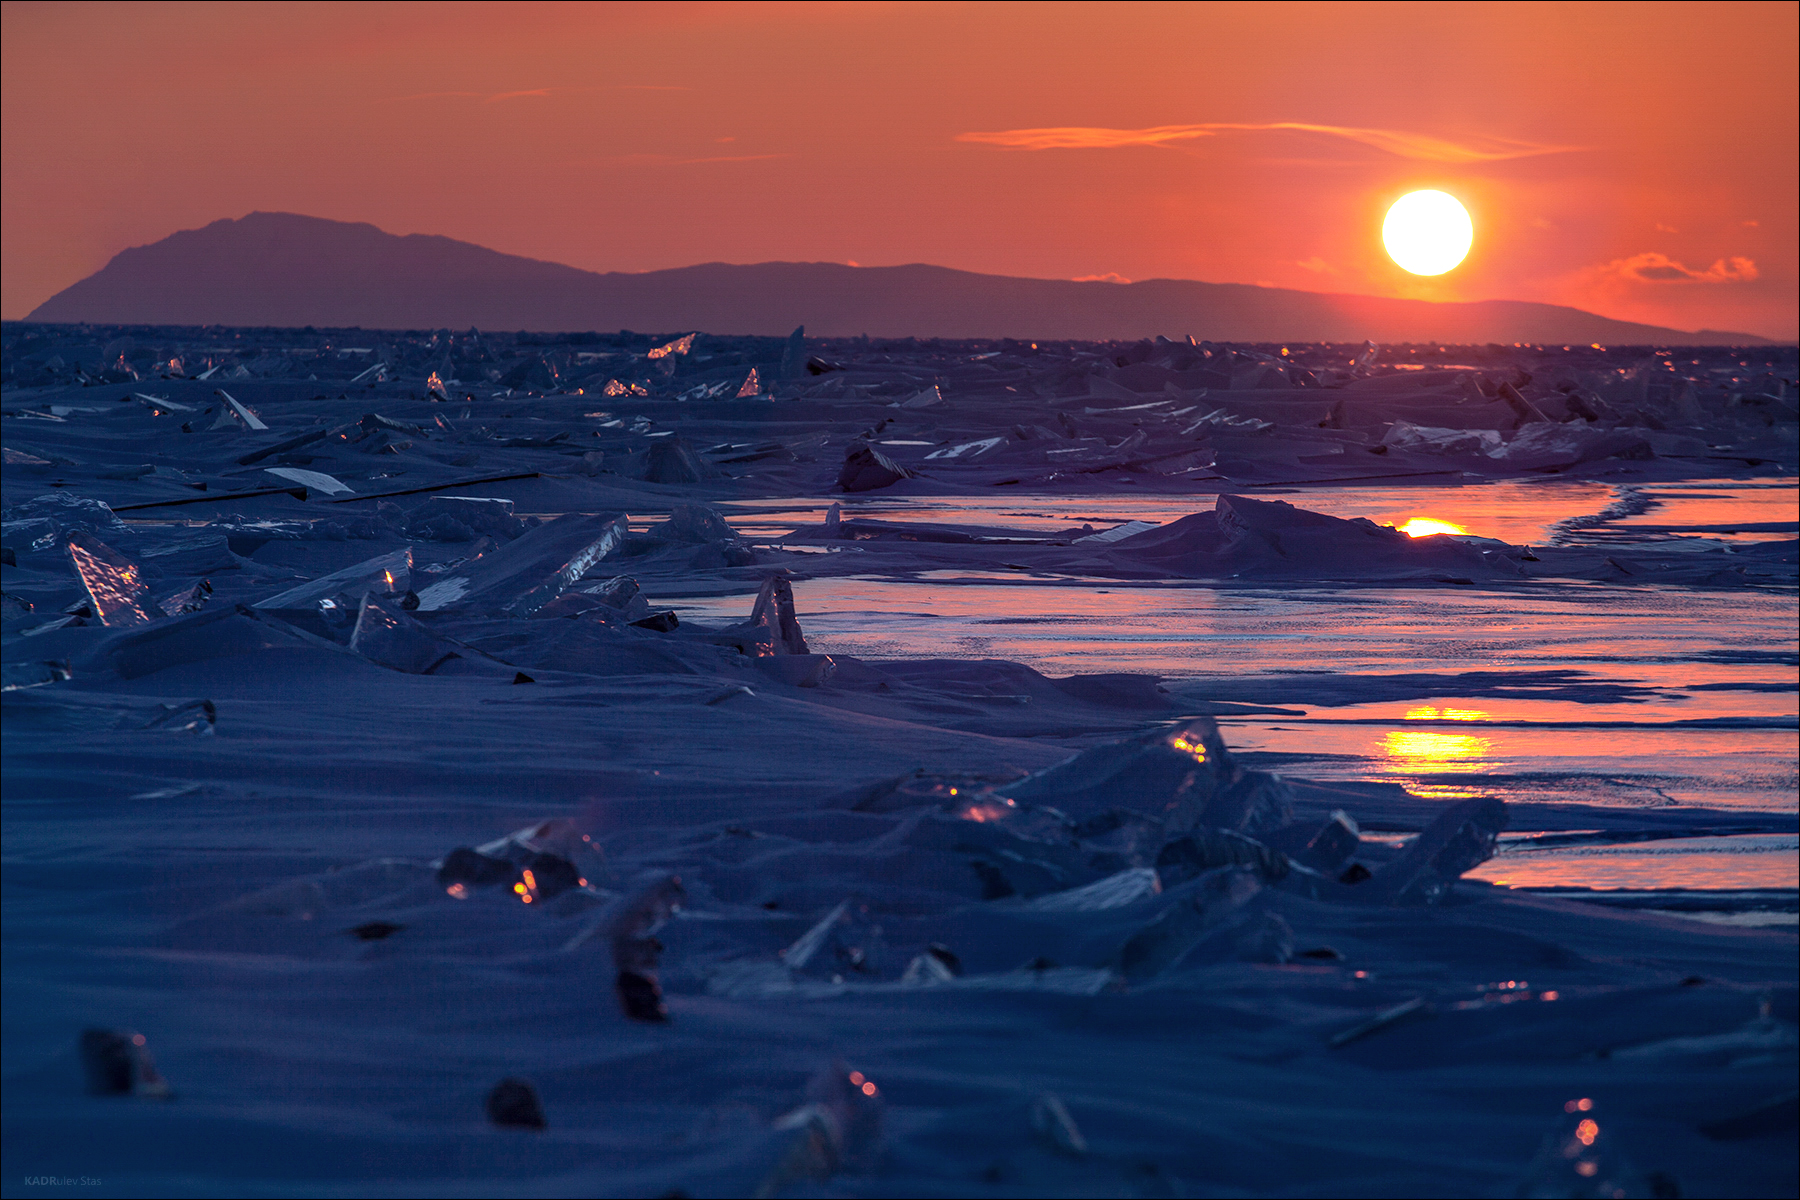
pixel 283 269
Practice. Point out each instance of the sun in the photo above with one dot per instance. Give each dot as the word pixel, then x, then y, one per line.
pixel 1427 232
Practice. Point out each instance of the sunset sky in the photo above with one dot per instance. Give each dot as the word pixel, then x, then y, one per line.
pixel 1638 160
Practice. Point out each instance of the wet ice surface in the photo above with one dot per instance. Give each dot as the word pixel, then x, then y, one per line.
pixel 366 851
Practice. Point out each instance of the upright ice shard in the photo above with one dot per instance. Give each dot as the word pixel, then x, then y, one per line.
pixel 793 355
pixel 773 618
pixel 113 583
pixel 751 386
pixel 245 416
pixel 631 926
pixel 526 574
pixel 384 634
pixel 839 1127
pixel 117 1062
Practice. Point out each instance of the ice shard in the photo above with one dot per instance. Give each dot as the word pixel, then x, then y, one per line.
pixel 113 583
pixel 867 469
pixel 528 573
pixel 247 417
pixel 385 634
pixel 16 676
pixel 1196 910
pixel 1462 837
pixel 680 345
pixel 188 600
pixel 693 523
pixel 630 926
pixel 384 575
pixel 117 1062
pixel 793 355
pixel 773 623
pixel 313 481
pixel 671 460
pixel 846 943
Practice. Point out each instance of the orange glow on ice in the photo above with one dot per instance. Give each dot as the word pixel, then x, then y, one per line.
pixel 1426 526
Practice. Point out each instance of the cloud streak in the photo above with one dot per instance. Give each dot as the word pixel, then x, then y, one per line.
pixel 1397 142
pixel 1651 267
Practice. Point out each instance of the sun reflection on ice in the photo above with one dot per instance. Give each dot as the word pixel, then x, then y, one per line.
pixel 1432 751
pixel 1426 526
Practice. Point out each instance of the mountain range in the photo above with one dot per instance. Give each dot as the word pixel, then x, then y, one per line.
pixel 284 269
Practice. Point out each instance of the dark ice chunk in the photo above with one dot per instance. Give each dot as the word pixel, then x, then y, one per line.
pixel 793 355
pixel 385 634
pixel 671 460
pixel 692 523
pixel 661 622
pixel 514 1104
pixel 1463 836
pixel 849 941
pixel 117 1062
pixel 866 469
pixel 114 584
pixel 196 716
pixel 631 925
pixel 71 512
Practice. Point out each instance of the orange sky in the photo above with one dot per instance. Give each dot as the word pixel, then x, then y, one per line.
pixel 1638 160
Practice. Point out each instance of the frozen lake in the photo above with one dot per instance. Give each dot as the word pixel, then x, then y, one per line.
pixel 1628 695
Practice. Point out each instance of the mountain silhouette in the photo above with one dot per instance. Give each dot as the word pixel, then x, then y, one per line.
pixel 283 269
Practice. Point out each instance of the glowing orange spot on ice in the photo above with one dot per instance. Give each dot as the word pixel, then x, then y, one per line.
pixel 856 1077
pixel 1426 526
pixel 868 1089
pixel 1587 1131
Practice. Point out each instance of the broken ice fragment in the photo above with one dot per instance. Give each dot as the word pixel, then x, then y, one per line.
pixel 1118 532
pixel 117 1062
pixel 533 570
pixel 188 600
pixel 1460 838
pixel 385 574
pixel 1380 1020
pixel 671 460
pixel 1115 891
pixel 692 523
pixel 316 481
pixel 867 469
pixel 839 1127
pixel 793 355
pixel 680 345
pixel 465 868
pixel 113 583
pixel 774 612
pixel 385 634
pixel 514 1104
pixel 1203 850
pixel 247 416
pixel 847 941
pixel 15 676
pixel 967 449
pixel 1197 909
pixel 435 388
pixel 750 387
pixel 1051 1121
pixel 196 716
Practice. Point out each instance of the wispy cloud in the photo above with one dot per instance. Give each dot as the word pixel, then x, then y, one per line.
pixel 1398 142
pixel 1651 267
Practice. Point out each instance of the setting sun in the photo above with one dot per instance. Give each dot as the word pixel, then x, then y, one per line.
pixel 1419 527
pixel 1427 232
